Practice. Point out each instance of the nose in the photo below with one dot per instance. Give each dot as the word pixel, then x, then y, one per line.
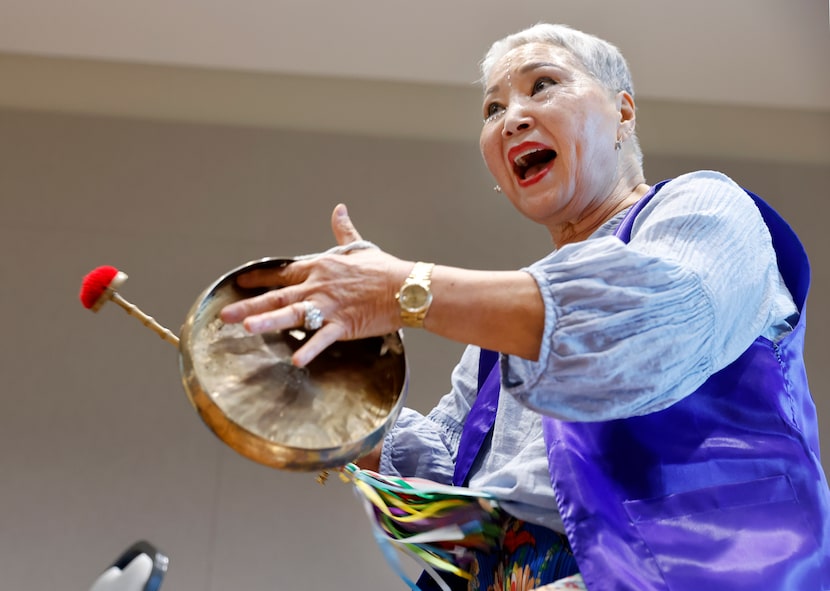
pixel 516 119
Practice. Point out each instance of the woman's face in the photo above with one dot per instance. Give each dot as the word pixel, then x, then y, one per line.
pixel 549 134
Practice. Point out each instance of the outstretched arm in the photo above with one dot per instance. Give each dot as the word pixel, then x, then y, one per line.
pixel 356 294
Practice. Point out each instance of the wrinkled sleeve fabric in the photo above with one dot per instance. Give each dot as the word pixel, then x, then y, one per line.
pixel 427 446
pixel 632 328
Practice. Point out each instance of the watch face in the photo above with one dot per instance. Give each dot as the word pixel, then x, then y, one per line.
pixel 414 297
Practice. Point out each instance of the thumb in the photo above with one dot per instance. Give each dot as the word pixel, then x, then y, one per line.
pixel 341 225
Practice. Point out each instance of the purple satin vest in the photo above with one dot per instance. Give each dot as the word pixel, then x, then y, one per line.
pixel 722 491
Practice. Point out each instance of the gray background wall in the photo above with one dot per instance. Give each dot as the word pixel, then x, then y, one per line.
pixel 98 443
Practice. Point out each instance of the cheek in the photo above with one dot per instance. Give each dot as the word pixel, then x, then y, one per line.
pixel 491 151
pixel 594 141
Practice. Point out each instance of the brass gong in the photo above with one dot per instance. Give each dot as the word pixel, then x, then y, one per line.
pixel 244 387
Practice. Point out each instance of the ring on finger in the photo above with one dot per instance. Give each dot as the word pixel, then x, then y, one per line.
pixel 313 318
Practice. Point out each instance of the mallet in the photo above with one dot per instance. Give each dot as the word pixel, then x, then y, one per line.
pixel 101 285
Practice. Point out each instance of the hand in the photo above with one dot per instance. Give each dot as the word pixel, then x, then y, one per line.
pixel 355 293
pixel 371 461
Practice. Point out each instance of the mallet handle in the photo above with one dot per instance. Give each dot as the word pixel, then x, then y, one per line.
pixel 146 320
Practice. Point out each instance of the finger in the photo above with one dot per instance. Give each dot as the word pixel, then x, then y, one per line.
pixel 317 344
pixel 341 225
pixel 288 317
pixel 259 278
pixel 271 300
pixel 288 274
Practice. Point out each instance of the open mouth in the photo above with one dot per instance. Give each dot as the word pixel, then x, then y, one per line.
pixel 531 165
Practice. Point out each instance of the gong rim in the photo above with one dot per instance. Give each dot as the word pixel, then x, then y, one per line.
pixel 244 437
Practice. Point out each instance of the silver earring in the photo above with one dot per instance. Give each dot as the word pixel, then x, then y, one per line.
pixel 497 188
pixel 618 145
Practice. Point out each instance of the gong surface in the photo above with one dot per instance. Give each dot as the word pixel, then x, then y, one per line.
pixel 246 390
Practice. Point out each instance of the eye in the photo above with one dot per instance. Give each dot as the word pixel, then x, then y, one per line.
pixel 542 83
pixel 492 111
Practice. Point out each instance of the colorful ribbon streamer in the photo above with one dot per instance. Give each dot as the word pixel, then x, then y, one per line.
pixel 436 525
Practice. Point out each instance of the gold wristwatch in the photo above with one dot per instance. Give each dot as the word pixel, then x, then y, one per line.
pixel 415 296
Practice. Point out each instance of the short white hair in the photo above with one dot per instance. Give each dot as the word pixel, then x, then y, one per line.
pixel 600 58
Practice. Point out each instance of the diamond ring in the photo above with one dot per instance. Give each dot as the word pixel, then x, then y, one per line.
pixel 313 316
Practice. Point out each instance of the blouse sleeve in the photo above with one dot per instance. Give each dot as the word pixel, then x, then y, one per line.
pixel 632 328
pixel 426 446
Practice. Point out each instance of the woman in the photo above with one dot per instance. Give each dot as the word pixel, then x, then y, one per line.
pixel 647 420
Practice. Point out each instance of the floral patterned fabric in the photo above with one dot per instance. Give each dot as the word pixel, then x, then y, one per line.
pixel 529 556
pixel 574 583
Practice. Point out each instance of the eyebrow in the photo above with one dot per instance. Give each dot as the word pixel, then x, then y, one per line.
pixel 524 70
pixel 536 65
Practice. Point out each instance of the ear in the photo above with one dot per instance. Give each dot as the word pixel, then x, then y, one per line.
pixel 628 117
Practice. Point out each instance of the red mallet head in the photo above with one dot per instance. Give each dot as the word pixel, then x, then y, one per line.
pixel 99 285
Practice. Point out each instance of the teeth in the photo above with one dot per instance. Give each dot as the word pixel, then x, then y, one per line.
pixel 521 160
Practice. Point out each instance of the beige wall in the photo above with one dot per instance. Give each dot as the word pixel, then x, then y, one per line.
pixel 99 444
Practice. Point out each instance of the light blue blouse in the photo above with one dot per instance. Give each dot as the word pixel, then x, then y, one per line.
pixel 629 329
